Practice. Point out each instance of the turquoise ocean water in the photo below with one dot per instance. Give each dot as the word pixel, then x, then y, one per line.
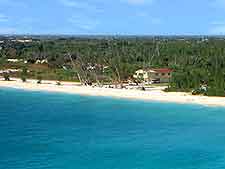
pixel 40 130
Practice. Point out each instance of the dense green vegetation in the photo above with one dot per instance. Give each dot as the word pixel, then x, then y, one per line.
pixel 195 61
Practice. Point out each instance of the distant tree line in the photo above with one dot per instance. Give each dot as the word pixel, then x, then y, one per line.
pixel 196 62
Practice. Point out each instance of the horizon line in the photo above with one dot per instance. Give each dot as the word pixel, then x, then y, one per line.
pixel 110 35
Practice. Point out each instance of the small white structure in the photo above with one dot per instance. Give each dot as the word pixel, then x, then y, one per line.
pixel 38 61
pixel 22 40
pixel 14 60
pixel 10 71
pixel 44 61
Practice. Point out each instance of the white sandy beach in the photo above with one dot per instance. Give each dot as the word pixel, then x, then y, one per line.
pixel 154 95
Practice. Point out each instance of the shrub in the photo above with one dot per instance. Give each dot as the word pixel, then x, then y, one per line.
pixel 39 78
pixel 24 74
pixel 23 79
pixel 6 76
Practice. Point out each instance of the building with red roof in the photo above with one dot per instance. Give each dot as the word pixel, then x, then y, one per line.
pixel 160 75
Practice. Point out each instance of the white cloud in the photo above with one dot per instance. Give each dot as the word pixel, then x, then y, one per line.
pixel 217 23
pixel 7 30
pixel 218 3
pixel 83 23
pixel 218 28
pixel 155 21
pixel 3 18
pixel 71 3
pixel 80 5
pixel 11 3
pixel 142 14
pixel 138 2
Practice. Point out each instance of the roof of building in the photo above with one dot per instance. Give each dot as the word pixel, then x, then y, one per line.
pixel 162 70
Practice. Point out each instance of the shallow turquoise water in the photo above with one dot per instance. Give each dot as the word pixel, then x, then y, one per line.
pixel 59 131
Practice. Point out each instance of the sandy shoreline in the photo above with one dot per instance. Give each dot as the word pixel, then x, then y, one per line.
pixel 154 95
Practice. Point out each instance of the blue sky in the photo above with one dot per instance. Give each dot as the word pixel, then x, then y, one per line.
pixel 126 17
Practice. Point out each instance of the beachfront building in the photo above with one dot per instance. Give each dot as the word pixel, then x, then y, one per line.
pixel 161 75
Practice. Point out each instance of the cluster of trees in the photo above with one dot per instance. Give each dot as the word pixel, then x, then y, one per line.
pixel 195 61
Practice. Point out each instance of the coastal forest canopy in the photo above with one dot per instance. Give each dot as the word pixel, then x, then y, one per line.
pixel 196 61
